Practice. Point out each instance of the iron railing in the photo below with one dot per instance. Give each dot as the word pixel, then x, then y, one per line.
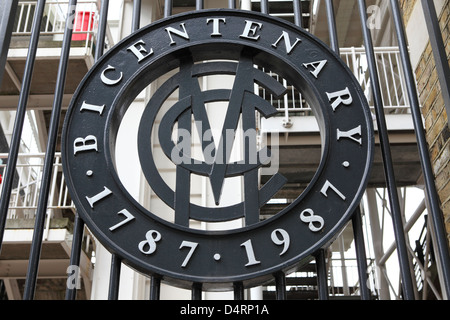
pixel 24 197
pixel 83 22
pixel 380 100
pixel 392 83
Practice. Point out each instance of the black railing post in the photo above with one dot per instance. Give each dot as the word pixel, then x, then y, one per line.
pixel 114 277
pixel 36 244
pixel 8 177
pixel 387 157
pixel 280 285
pixel 265 6
pixel 440 56
pixel 360 254
pixel 155 287
pixel 356 219
pixel 75 254
pixel 298 13
pixel 196 291
pixel 434 207
pixel 199 4
pixel 167 8
pixel 332 31
pixel 103 16
pixel 322 275
pixel 238 290
pixel 136 21
pixel 79 223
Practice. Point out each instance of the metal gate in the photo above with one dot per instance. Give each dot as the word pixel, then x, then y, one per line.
pixel 9 10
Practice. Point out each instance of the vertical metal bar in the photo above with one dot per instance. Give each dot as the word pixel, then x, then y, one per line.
pixel 75 253
pixel 48 20
pixel 331 20
pixel 280 286
pixel 136 19
pixel 101 29
pixel 114 277
pixel 321 270
pixel 167 8
pixel 196 291
pixel 440 56
pixel 232 4
pixel 387 158
pixel 8 177
pixel 238 289
pixel 199 5
pixel 402 80
pixel 265 6
pixel 386 81
pixel 155 288
pixel 8 10
pixel 438 223
pixel 334 44
pixel 79 223
pixel 360 254
pixel 357 224
pixel 113 292
pixel 22 8
pixel 383 98
pixel 36 245
pixel 27 18
pixel 298 13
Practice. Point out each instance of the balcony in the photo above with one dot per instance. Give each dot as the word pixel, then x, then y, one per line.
pixel 294 122
pixel 57 236
pixel 49 51
pixel 300 133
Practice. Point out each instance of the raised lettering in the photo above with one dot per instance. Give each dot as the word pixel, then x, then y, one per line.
pixel 92 107
pixel 340 97
pixel 92 200
pixel 315 222
pixel 85 144
pixel 250 253
pixel 216 24
pixel 192 246
pixel 285 239
pixel 350 134
pixel 287 42
pixel 328 185
pixel 128 218
pixel 108 81
pixel 151 238
pixel 317 66
pixel 182 34
pixel 141 53
pixel 250 30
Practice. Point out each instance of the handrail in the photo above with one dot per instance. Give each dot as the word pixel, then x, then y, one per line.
pixel 85 22
pixel 394 95
pixel 25 193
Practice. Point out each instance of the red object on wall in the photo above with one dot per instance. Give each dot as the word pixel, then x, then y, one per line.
pixel 83 22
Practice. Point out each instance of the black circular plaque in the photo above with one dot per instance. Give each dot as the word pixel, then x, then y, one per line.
pixel 190 46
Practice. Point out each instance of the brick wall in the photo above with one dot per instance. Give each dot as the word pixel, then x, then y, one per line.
pixel 407 6
pixel 436 120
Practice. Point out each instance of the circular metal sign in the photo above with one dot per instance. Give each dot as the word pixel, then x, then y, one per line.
pixel 177 53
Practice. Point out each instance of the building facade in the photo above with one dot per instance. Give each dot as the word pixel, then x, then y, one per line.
pixel 394 247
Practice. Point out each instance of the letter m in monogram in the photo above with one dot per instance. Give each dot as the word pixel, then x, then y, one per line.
pixel 240 115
